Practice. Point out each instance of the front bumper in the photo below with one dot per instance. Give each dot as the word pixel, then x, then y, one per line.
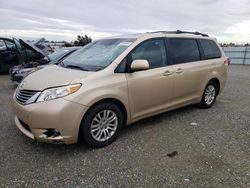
pixel 36 119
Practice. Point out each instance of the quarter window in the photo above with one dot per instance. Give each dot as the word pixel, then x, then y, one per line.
pixel 210 49
pixel 154 51
pixel 121 68
pixel 184 50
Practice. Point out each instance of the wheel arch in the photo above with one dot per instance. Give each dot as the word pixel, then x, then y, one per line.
pixel 217 81
pixel 111 100
pixel 116 102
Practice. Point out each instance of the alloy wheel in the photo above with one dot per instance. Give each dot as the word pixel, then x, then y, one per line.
pixel 104 125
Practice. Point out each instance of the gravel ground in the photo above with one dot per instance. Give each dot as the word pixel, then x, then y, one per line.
pixel 188 147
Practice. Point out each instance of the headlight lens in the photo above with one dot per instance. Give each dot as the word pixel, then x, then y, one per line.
pixel 28 70
pixel 54 93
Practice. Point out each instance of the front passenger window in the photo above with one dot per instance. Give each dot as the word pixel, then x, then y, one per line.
pixel 153 50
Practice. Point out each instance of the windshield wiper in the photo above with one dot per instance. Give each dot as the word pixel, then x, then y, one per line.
pixel 75 67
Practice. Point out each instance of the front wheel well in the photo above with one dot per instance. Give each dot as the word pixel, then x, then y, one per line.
pixel 217 83
pixel 116 102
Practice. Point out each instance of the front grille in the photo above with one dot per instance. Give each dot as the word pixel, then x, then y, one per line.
pixel 22 96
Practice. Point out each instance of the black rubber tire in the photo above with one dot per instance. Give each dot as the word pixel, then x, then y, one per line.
pixel 202 103
pixel 85 133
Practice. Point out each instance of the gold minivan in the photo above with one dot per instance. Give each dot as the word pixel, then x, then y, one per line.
pixel 116 81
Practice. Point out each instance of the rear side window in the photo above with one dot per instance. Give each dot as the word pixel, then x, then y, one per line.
pixel 152 50
pixel 210 49
pixel 184 50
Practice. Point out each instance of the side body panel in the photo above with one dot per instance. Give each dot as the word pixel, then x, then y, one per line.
pixel 190 80
pixel 110 86
pixel 149 91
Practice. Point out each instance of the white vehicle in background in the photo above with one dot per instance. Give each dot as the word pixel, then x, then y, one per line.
pixel 41 44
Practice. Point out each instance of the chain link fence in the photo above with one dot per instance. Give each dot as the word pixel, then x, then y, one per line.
pixel 238 55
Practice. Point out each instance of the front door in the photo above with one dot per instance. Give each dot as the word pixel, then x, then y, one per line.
pixel 150 91
pixel 3 48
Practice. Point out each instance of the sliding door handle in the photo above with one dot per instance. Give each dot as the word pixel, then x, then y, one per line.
pixel 179 70
pixel 167 73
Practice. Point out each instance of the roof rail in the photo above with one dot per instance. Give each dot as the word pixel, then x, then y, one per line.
pixel 181 32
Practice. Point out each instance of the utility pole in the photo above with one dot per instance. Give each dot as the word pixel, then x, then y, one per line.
pixel 245 55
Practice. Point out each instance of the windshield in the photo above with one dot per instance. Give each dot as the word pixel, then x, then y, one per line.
pixel 98 54
pixel 58 54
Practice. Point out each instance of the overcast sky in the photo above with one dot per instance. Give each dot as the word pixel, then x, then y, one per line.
pixel 228 20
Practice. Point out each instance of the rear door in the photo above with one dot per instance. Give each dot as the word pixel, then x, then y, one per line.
pixel 150 91
pixel 190 71
pixel 3 48
pixel 8 56
pixel 12 58
pixel 21 52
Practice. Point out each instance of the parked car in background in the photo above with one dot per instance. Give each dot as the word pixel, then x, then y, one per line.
pixel 8 54
pixel 19 72
pixel 14 52
pixel 116 81
pixel 40 43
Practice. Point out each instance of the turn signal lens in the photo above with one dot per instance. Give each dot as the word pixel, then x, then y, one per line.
pixel 73 89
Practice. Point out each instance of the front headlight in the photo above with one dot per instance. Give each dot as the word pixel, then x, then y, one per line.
pixel 54 93
pixel 27 71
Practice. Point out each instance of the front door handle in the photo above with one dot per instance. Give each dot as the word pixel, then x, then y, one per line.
pixel 179 70
pixel 167 73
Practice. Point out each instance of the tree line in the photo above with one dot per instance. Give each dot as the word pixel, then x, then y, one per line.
pixel 81 40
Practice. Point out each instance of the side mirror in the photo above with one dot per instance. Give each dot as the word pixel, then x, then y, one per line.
pixel 139 65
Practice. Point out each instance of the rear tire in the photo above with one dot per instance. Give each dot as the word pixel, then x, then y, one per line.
pixel 209 95
pixel 101 125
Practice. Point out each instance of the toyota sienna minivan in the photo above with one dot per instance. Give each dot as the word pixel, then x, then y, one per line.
pixel 113 82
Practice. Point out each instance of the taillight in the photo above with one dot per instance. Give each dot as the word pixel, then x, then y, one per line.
pixel 227 61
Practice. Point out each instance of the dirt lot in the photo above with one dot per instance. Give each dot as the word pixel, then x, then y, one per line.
pixel 212 147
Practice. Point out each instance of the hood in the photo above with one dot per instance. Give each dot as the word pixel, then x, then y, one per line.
pixel 41 44
pixel 33 48
pixel 52 76
pixel 38 41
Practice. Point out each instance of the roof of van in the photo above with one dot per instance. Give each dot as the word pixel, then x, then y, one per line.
pixel 177 33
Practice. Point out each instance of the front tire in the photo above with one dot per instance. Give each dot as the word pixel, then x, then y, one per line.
pixel 209 95
pixel 101 125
